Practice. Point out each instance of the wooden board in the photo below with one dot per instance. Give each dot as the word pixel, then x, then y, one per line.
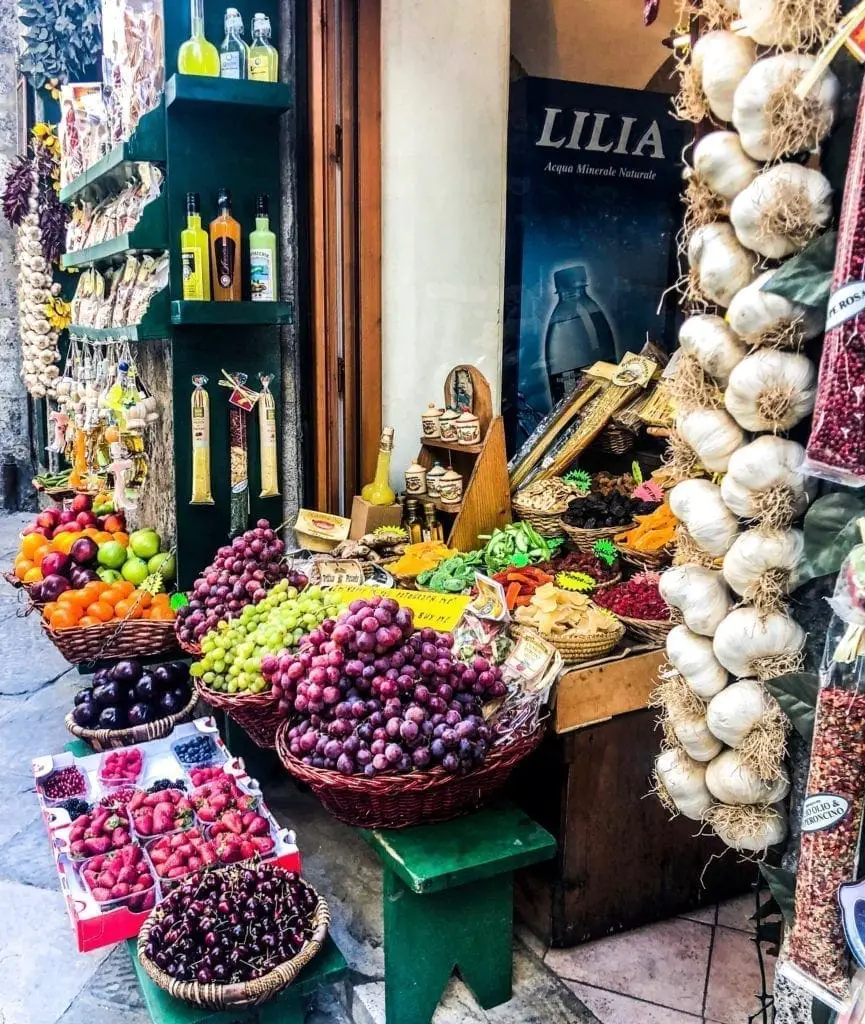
pixel 598 692
pixel 621 862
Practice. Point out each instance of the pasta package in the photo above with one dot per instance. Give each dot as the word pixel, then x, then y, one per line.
pixel 201 487
pixel 267 440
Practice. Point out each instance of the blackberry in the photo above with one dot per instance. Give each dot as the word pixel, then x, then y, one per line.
pixel 75 808
pixel 161 784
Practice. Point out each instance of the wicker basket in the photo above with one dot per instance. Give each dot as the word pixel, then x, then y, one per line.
pixel 398 801
pixel 653 631
pixel 616 439
pixel 110 739
pixel 576 647
pixel 13 580
pixel 584 540
pixel 547 524
pixel 255 713
pixel 607 583
pixel 216 996
pixel 132 638
pixel 194 650
pixel 648 561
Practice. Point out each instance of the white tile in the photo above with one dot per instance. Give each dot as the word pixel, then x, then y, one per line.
pixel 734 978
pixel 735 913
pixel 612 1008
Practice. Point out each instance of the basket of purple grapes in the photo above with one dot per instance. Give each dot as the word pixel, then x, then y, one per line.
pixel 386 725
pixel 233 937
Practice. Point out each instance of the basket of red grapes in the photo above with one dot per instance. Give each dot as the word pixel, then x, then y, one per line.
pixel 233 937
pixel 241 574
pixel 386 724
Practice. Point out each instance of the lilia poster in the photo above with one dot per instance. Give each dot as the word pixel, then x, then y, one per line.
pixel 594 178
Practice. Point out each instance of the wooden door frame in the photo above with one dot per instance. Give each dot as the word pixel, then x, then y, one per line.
pixel 345 232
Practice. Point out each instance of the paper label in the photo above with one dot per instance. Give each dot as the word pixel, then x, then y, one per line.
pixel 845 303
pixel 823 811
pixel 333 572
pixel 322 525
pixel 436 611
pixel 261 275
pixel 193 287
pixel 224 249
pixel 229 64
pixel 259 67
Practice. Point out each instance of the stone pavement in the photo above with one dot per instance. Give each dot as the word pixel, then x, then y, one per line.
pixel 686 971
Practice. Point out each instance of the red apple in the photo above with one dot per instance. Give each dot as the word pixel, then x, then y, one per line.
pixel 55 564
pixel 82 503
pixel 85 519
pixel 49 518
pixel 67 516
pixel 114 523
pixel 32 528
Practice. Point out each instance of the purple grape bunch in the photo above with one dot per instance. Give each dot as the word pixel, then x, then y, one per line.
pixel 369 694
pixel 240 575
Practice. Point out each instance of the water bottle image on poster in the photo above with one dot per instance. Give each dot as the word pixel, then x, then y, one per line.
pixel 594 178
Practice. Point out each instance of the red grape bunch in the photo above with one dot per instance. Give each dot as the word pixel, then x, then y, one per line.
pixel 240 575
pixel 369 694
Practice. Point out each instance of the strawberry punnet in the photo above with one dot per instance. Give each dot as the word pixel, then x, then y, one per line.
pixel 154 814
pixel 123 874
pixel 175 856
pixel 99 832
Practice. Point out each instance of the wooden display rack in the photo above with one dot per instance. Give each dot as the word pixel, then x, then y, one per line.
pixel 483 467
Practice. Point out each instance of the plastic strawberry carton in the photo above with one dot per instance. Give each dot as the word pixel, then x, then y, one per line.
pixel 121 767
pixel 160 813
pixel 121 879
pixel 98 923
pixel 97 833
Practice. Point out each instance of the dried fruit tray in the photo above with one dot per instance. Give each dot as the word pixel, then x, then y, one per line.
pixel 100 923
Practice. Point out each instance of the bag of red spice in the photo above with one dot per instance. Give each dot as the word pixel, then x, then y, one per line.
pixel 836 447
pixel 834 807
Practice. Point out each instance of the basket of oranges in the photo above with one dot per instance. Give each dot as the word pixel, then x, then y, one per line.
pixel 109 620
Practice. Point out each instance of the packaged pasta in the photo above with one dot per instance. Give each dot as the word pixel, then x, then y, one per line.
pixel 201 487
pixel 267 440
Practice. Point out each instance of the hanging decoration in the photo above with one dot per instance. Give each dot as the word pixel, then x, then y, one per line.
pixel 61 40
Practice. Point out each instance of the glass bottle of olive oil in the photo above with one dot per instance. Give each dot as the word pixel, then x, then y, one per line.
pixel 197 56
pixel 234 53
pixel 194 253
pixel 262 56
pixel 379 492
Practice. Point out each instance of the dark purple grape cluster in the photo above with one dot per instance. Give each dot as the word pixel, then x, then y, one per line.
pixel 232 925
pixel 370 694
pixel 240 575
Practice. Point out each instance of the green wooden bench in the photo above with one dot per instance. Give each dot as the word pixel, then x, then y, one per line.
pixel 448 903
pixel 289 1007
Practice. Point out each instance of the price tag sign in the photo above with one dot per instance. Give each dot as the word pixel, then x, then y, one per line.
pixel 433 611
pixel 334 572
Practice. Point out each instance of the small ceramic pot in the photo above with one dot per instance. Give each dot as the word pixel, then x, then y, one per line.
pixel 451 488
pixel 415 479
pixel 448 425
pixel 468 429
pixel 431 421
pixel 433 480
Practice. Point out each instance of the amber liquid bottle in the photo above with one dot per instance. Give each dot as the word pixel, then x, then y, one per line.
pixel 225 252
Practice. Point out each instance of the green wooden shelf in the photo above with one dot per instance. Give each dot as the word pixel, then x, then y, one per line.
pixel 147 145
pixel 191 89
pixel 154 324
pixel 231 314
pixel 149 234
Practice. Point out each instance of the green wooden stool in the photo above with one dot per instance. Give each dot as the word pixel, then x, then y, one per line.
pixel 448 902
pixel 289 1007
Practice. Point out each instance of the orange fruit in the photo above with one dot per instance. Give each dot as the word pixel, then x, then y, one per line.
pixel 86 620
pixel 50 609
pixel 70 599
pixel 64 541
pixel 33 575
pixel 127 608
pixel 65 618
pixel 121 538
pixel 22 567
pixel 40 553
pixel 143 597
pixel 124 586
pixel 91 531
pixel 101 611
pixel 30 544
pixel 91 592
pixel 102 536
pixel 112 595
pixel 160 614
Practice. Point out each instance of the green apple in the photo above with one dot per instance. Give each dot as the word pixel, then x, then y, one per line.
pixel 163 563
pixel 108 575
pixel 111 554
pixel 135 570
pixel 144 543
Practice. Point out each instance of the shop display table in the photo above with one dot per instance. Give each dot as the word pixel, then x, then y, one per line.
pixel 289 1007
pixel 448 902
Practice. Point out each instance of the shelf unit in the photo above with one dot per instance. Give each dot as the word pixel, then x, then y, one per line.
pixel 209 133
pixel 483 467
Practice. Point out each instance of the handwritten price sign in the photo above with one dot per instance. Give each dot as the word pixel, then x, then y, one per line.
pixel 436 611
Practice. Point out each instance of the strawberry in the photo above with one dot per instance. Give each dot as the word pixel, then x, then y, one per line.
pixel 176 873
pixel 98 845
pixel 127 875
pixel 101 895
pixel 259 826
pixel 77 849
pixel 206 813
pixel 144 823
pixel 119 837
pixel 247 850
pixel 208 854
pixel 120 889
pixel 159 857
pixel 138 800
pixel 163 818
pixel 263 844
pixel 193 862
pixel 233 822
pixel 174 861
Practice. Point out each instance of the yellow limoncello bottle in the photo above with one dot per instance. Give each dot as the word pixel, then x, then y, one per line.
pixel 197 56
pixel 379 492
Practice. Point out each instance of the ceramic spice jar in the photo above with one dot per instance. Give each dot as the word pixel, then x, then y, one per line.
pixel 468 429
pixel 433 480
pixel 431 421
pixel 451 488
pixel 415 479
pixel 449 425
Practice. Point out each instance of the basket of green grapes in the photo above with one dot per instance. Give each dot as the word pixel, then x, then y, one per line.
pixel 228 673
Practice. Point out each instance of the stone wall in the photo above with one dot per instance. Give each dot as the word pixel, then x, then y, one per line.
pixel 14 429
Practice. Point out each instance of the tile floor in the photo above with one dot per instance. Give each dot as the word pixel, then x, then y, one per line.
pixel 697 969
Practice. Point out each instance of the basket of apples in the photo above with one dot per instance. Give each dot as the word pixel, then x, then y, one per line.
pixel 386 725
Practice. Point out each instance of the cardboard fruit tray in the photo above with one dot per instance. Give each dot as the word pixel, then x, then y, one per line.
pixel 101 924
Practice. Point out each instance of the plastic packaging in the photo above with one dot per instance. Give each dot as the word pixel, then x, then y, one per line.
pixel 267 440
pixel 201 488
pixel 835 797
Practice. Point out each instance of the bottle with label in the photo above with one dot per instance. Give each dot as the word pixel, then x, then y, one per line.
pixel 262 255
pixel 262 56
pixel 225 252
pixel 433 529
pixel 194 253
pixel 274 53
pixel 413 523
pixel 234 53
pixel 578 333
pixel 197 56
pixel 379 492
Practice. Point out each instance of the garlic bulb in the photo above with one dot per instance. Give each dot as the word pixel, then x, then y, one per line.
pixel 713 435
pixel 764 480
pixel 698 504
pixel 761 317
pixel 721 60
pixel 759 566
pixel 770 119
pixel 748 644
pixel 693 658
pixel 732 782
pixel 39 340
pixel 684 781
pixel 787 24
pixel 721 264
pixel 771 390
pixel 713 343
pixel 695 737
pixel 723 165
pixel 751 829
pixel 700 594
pixel 735 711
pixel 782 210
